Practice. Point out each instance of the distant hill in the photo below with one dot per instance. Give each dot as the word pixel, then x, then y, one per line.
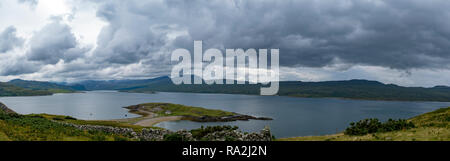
pixel 7 89
pixel 443 88
pixel 352 89
pixel 363 89
pixel 118 84
pixel 45 86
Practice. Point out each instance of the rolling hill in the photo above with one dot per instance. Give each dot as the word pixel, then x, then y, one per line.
pixel 45 86
pixel 7 89
pixel 119 84
pixel 352 89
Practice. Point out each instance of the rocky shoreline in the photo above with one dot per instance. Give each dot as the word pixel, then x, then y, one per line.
pixel 5 109
pixel 149 134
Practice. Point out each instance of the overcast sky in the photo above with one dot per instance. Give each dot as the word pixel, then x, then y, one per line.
pixel 406 42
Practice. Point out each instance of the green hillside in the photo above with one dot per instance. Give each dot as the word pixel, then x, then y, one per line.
pixel 43 86
pixel 38 128
pixel 12 90
pixel 120 84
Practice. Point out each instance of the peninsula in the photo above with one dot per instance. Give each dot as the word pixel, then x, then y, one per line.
pixel 153 113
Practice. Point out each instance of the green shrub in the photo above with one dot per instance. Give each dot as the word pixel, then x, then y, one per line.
pixel 363 127
pixel 37 116
pixel 394 125
pixel 230 138
pixel 58 119
pixel 69 118
pixel 373 125
pixel 120 138
pixel 201 132
pixel 173 137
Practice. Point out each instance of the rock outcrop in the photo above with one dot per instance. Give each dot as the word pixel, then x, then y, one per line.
pixel 148 134
pixel 4 108
pixel 234 135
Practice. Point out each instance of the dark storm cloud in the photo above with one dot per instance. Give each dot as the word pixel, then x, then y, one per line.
pixel 400 34
pixel 129 37
pixel 54 42
pixel 18 67
pixel 9 39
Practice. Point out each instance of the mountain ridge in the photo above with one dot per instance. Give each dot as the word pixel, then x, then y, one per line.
pixel 42 85
pixel 351 89
pixel 7 89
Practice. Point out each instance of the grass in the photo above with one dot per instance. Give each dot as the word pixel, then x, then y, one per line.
pixel 56 90
pixel 3 137
pixel 38 128
pixel 437 118
pixel 432 126
pixel 12 90
pixel 71 120
pixel 167 109
pixel 47 127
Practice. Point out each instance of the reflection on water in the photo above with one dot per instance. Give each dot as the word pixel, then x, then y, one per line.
pixel 292 116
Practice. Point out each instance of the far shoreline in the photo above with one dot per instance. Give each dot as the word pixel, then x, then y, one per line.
pixel 289 96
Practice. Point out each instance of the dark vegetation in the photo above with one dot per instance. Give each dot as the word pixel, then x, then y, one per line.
pixel 373 125
pixel 174 137
pixel 200 133
pixel 44 86
pixel 352 89
pixel 12 90
pixel 19 87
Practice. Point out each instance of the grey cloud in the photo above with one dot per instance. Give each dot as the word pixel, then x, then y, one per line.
pixel 9 39
pixel 401 34
pixel 129 37
pixel 18 67
pixel 55 42
pixel 404 35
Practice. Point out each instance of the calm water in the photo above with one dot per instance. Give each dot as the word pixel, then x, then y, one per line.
pixel 292 116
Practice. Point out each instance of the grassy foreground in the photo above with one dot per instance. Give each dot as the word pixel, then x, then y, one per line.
pixel 432 126
pixel 15 127
pixel 46 127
